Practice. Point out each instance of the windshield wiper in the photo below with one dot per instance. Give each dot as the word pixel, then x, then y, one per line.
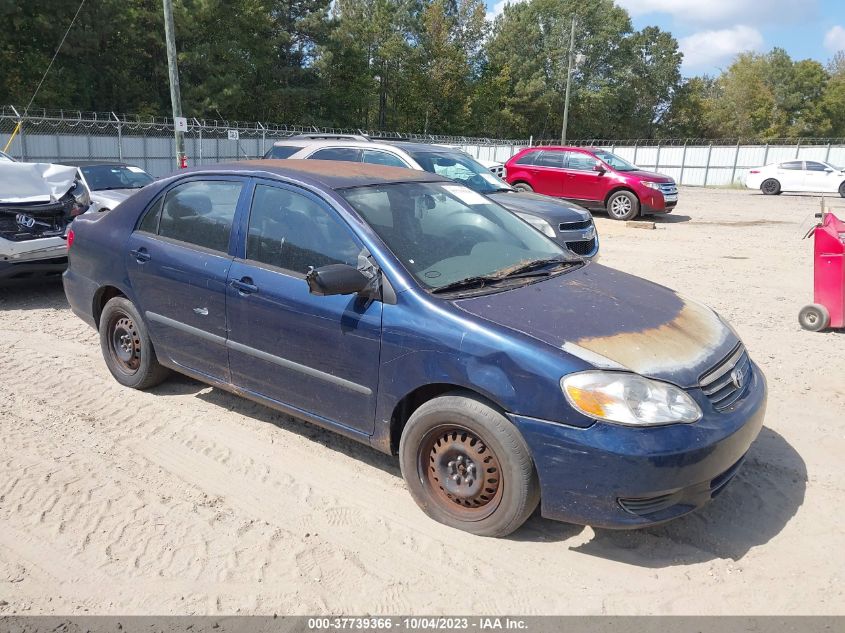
pixel 534 267
pixel 478 281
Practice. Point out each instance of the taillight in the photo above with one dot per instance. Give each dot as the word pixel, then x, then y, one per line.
pixel 70 236
pixel 753 171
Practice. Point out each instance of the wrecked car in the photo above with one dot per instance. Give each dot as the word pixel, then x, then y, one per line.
pixel 37 203
pixel 411 313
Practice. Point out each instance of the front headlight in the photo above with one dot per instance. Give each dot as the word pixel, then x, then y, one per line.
pixel 80 194
pixel 630 399
pixel 652 185
pixel 538 223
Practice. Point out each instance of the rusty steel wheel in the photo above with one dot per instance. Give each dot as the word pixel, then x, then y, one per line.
pixel 467 465
pixel 460 472
pixel 126 346
pixel 124 343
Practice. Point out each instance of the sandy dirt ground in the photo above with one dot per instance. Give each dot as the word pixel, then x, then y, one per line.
pixel 188 500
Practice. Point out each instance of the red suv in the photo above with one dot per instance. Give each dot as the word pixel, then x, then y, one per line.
pixel 592 178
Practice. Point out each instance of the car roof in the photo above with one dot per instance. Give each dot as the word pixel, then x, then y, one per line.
pixel 90 163
pixel 330 174
pixel 564 147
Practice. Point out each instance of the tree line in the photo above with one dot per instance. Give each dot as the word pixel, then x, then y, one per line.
pixel 435 66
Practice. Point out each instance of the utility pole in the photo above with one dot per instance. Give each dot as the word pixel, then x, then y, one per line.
pixel 568 80
pixel 173 72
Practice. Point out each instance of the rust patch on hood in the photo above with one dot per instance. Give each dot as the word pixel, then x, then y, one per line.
pixel 686 341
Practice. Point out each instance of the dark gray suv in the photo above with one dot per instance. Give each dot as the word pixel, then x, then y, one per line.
pixel 565 222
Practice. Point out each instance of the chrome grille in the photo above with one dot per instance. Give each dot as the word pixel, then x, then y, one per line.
pixel 669 188
pixel 575 226
pixel 728 381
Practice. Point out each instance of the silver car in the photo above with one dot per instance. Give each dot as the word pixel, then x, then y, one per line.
pixel 110 182
pixel 564 222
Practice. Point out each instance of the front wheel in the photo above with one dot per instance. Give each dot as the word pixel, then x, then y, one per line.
pixel 770 187
pixel 467 466
pixel 126 346
pixel 842 189
pixel 814 317
pixel 623 205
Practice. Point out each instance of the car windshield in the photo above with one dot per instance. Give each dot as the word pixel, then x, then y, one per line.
pixel 462 168
pixel 619 164
pixel 444 233
pixel 103 177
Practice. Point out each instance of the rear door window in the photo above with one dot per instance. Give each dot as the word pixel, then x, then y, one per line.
pixel 377 157
pixel 347 154
pixel 550 159
pixel 793 165
pixel 200 212
pixel 291 231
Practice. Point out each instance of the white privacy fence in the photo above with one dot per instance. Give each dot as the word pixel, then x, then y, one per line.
pixel 148 143
pixel 700 164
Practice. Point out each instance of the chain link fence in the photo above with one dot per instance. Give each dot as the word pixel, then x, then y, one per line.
pixel 148 142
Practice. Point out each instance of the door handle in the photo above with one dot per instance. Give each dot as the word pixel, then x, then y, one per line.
pixel 244 285
pixel 141 255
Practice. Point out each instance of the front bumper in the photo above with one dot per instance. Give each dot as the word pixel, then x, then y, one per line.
pixel 615 476
pixel 32 270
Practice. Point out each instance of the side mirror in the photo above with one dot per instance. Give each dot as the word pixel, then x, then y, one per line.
pixel 599 167
pixel 828 170
pixel 336 279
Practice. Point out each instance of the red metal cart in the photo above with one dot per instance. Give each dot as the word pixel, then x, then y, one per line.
pixel 828 276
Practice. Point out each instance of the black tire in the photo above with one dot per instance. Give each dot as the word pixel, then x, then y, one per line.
pixel 842 189
pixel 814 317
pixel 461 442
pixel 623 205
pixel 127 348
pixel 523 186
pixel 770 187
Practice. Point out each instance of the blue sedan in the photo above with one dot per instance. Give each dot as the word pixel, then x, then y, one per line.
pixel 408 312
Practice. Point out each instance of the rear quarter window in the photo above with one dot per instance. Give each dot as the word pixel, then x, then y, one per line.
pixel 527 159
pixel 282 151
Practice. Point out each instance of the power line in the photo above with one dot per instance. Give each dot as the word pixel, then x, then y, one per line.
pixel 50 65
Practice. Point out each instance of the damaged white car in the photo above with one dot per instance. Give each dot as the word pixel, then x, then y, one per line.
pixel 37 203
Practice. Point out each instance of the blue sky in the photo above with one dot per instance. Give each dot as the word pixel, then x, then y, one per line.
pixel 712 32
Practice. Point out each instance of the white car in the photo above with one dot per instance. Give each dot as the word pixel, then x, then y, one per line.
pixel 110 182
pixel 797 175
pixel 37 203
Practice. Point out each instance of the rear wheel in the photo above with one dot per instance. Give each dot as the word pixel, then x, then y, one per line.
pixel 126 346
pixel 770 187
pixel 467 466
pixel 523 186
pixel 814 317
pixel 842 189
pixel 623 205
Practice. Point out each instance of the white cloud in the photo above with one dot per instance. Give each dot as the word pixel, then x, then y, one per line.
pixel 723 12
pixel 834 39
pixel 499 7
pixel 706 49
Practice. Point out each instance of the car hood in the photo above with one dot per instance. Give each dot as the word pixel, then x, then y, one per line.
pixel 542 206
pixel 112 197
pixel 648 175
pixel 614 320
pixel 27 183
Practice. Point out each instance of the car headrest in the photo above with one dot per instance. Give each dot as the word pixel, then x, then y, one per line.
pixel 190 204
